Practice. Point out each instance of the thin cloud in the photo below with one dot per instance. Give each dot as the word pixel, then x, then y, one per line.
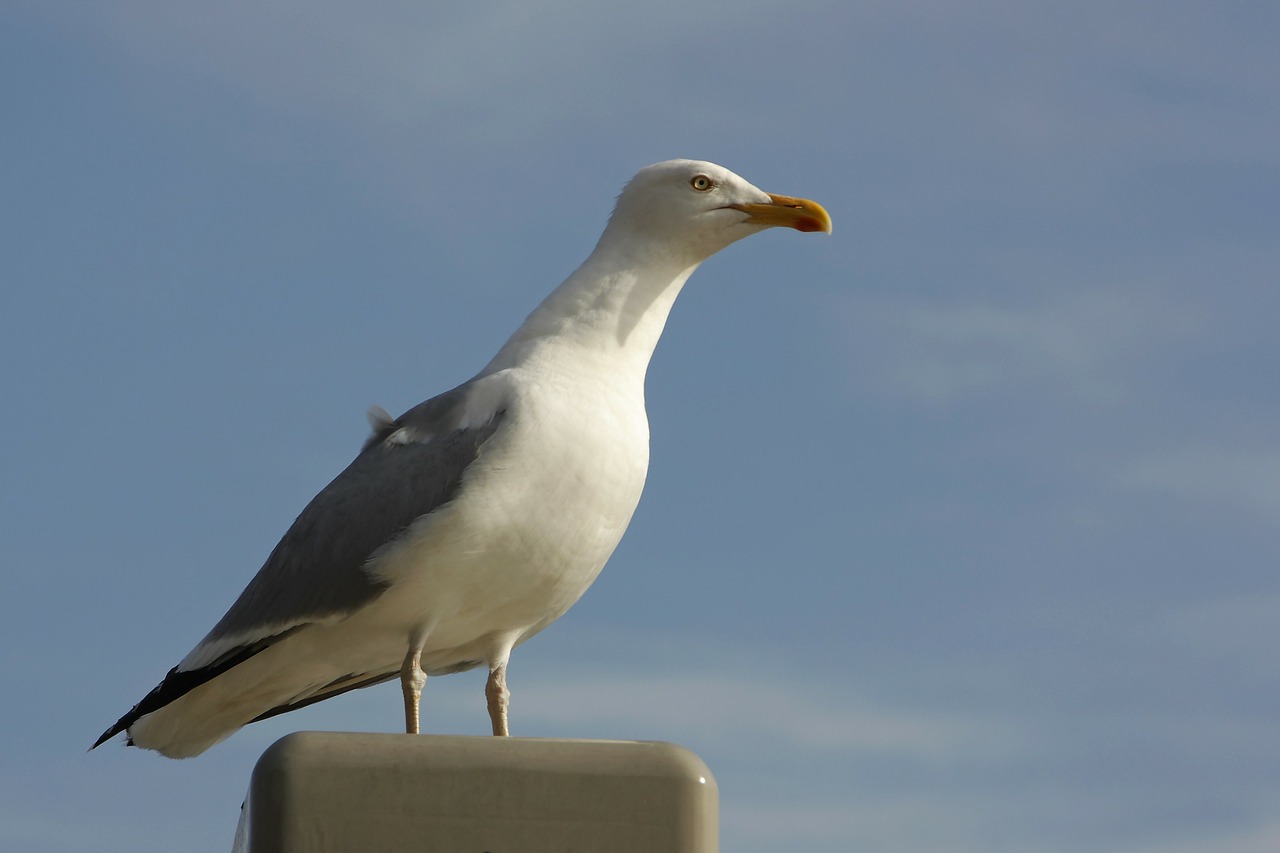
pixel 1083 344
pixel 1263 838
pixel 898 823
pixel 1241 477
pixel 410 64
pixel 1234 634
pixel 699 706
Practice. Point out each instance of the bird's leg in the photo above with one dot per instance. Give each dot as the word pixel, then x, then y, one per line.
pixel 495 692
pixel 412 679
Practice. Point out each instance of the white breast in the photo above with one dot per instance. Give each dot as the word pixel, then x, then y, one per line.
pixel 537 517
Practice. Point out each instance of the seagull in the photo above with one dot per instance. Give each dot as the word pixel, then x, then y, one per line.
pixel 475 519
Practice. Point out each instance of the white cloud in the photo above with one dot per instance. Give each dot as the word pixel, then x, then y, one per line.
pixel 1240 631
pixel 898 823
pixel 746 708
pixel 1238 477
pixel 472 66
pixel 1085 344
pixel 1262 838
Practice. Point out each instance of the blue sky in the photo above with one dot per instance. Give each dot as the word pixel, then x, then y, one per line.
pixel 961 527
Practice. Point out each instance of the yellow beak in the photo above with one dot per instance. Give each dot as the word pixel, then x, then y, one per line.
pixel 798 213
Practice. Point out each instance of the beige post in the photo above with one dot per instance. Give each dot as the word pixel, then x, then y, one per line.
pixel 383 793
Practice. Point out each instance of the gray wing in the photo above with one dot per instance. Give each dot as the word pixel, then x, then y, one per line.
pixel 409 467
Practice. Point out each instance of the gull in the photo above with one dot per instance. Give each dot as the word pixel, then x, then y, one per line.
pixel 475 519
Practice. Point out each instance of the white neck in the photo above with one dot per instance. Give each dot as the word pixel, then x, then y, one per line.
pixel 613 309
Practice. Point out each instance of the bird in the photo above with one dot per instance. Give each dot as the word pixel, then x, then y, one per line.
pixel 475 519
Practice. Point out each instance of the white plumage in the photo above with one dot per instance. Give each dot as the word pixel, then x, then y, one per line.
pixel 477 518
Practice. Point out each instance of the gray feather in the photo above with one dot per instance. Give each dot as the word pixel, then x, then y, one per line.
pixel 409 467
pixel 317 570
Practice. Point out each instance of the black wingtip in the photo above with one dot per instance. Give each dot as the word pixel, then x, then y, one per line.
pixel 121 725
pixel 178 683
pixel 128 719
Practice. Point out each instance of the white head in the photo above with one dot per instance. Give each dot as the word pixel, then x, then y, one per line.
pixel 671 217
pixel 692 209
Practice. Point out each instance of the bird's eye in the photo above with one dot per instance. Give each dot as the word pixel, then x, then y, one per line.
pixel 701 183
